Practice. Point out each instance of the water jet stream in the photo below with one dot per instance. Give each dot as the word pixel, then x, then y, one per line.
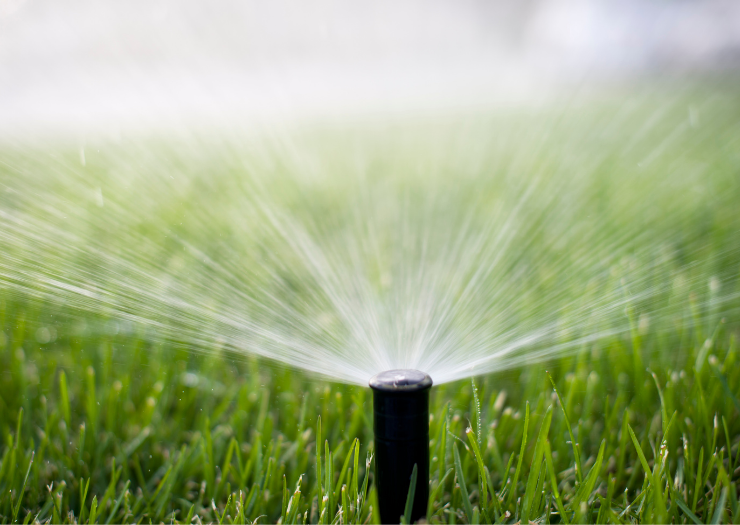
pixel 458 250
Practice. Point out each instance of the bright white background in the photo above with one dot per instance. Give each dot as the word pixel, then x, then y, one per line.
pixel 74 65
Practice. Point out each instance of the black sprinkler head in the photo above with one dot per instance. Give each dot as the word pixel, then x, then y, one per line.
pixel 401 421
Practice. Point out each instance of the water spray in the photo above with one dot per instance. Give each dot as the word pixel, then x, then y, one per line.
pixel 401 423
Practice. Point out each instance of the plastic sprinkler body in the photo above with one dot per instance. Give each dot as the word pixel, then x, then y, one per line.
pixel 401 424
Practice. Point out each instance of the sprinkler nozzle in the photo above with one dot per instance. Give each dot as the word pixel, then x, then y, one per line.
pixel 401 424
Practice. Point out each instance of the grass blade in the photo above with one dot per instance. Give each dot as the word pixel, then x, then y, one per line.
pixel 23 489
pixel 363 494
pixel 118 503
pixel 84 487
pixel 94 510
pixel 410 496
pixel 461 481
pixel 482 481
pixel 659 505
pixel 319 479
pixel 720 509
pixel 535 467
pixel 643 461
pixel 512 491
pixel 328 473
pixel 729 445
pixel 18 426
pixel 684 507
pixel 284 506
pixel 663 410
pixel 355 475
pixel 345 506
pixel 433 495
pixel 64 398
pixel 477 413
pixel 507 470
pixel 723 381
pixel 585 490
pixel 698 484
pixel 442 450
pixel 576 455
pixel 189 517
pixel 345 466
pixel 554 483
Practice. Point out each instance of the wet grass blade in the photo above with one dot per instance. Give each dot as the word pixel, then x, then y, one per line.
pixel 477 413
pixel 482 478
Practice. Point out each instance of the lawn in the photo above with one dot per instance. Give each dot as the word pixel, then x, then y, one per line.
pixel 119 402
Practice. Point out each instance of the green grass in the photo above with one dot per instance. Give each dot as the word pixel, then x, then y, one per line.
pixel 116 429
pixel 101 422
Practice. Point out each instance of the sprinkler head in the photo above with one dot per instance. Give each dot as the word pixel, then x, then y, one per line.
pixel 401 424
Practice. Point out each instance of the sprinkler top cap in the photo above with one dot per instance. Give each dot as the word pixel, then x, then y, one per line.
pixel 406 380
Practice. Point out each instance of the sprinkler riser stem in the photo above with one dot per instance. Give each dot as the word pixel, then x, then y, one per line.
pixel 401 425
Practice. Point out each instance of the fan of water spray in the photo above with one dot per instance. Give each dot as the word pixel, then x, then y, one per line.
pixel 457 250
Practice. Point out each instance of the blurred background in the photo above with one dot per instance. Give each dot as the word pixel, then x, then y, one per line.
pixel 94 65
